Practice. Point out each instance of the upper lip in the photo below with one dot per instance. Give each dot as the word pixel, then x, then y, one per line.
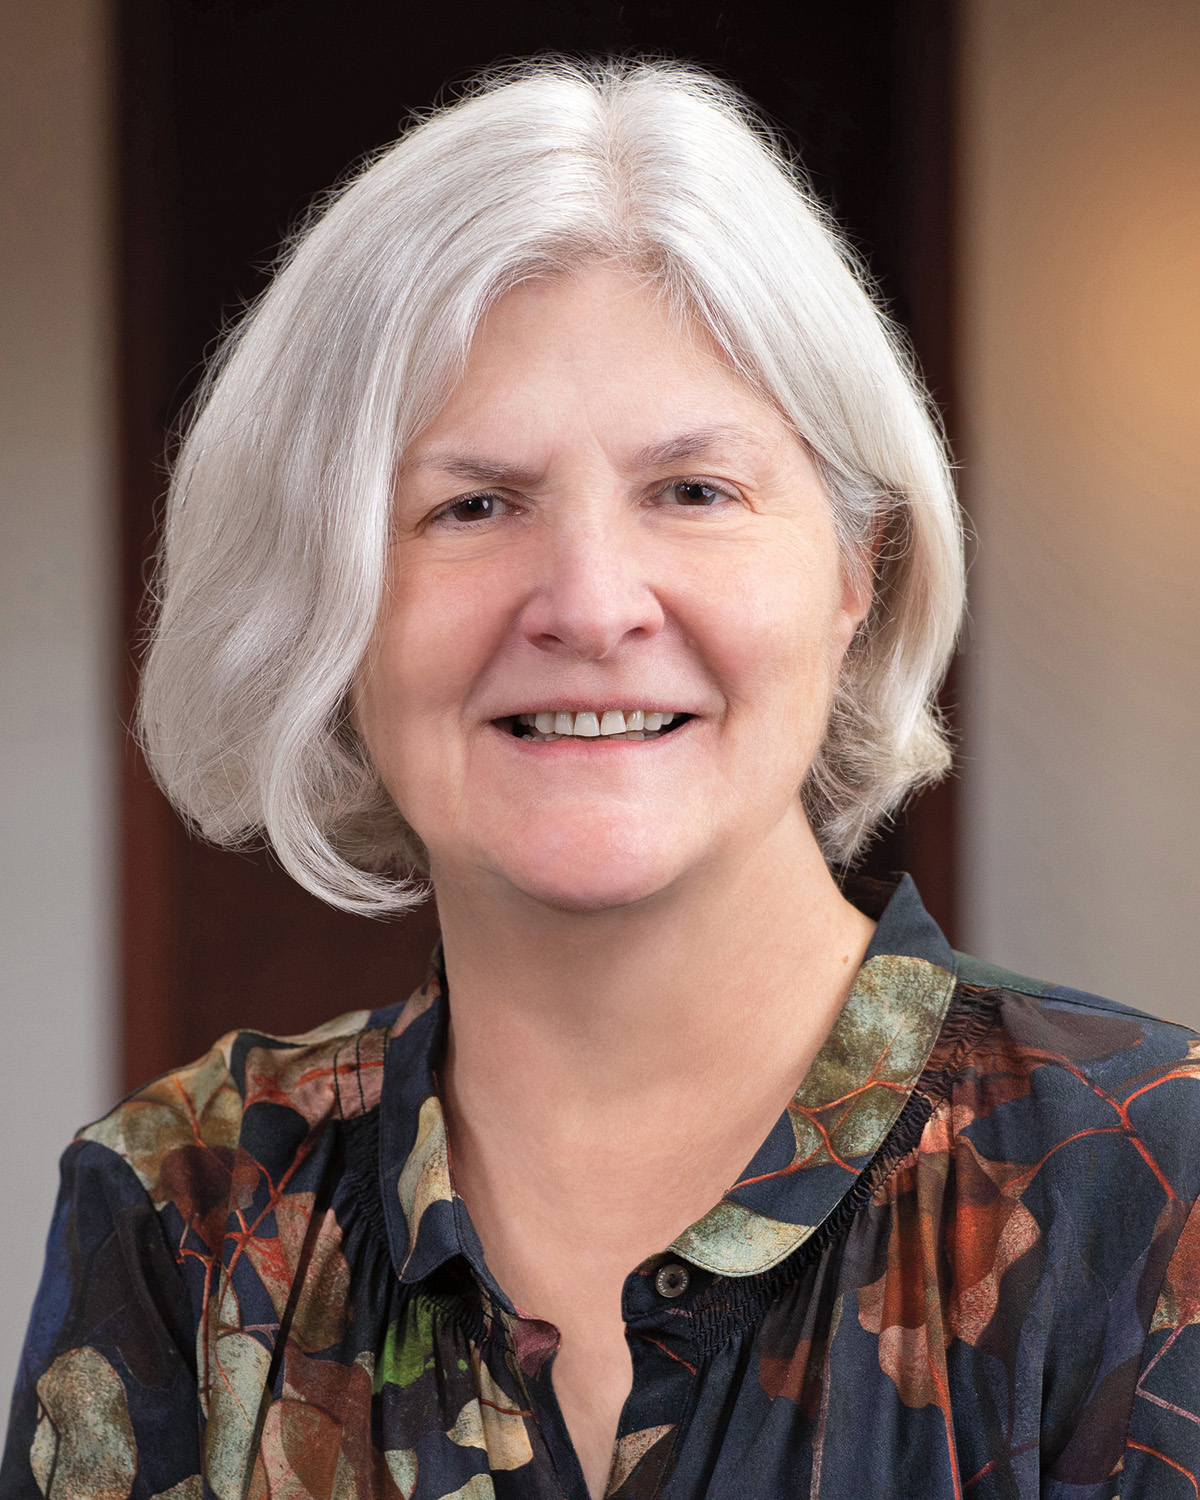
pixel 580 706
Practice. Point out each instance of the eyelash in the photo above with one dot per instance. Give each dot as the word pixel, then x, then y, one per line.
pixel 445 512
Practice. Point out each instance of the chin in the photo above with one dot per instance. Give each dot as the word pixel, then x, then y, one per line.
pixel 586 892
pixel 592 868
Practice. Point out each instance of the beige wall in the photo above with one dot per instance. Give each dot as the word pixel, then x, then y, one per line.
pixel 56 612
pixel 1080 377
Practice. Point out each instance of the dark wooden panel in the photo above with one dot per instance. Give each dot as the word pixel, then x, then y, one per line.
pixel 154 846
pixel 919 250
pixel 234 114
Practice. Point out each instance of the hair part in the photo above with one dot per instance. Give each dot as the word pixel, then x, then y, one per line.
pixel 274 553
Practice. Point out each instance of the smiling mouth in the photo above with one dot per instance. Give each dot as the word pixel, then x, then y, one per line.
pixel 594 724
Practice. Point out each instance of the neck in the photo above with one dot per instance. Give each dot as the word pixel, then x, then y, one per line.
pixel 745 962
pixel 610 1074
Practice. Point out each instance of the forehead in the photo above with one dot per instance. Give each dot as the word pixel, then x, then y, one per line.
pixel 599 353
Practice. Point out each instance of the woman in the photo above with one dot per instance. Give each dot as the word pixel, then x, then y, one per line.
pixel 564 523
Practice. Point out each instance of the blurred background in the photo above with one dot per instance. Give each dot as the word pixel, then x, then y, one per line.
pixel 1023 178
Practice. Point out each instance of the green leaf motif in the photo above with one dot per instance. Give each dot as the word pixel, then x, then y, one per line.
pixel 408 1349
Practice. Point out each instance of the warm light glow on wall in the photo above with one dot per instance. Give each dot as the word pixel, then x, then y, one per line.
pixel 1140 349
pixel 1080 368
pixel 1119 289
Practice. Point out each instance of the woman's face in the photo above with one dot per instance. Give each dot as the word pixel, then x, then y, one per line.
pixel 603 521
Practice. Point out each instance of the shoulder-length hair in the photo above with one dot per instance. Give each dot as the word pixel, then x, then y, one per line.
pixel 277 524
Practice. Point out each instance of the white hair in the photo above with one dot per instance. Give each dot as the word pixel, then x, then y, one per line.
pixel 277 525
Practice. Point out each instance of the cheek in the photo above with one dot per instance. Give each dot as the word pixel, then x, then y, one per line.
pixel 409 673
pixel 436 635
pixel 442 629
pixel 383 712
pixel 775 629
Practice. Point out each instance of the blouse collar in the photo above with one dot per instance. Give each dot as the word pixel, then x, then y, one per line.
pixel 850 1098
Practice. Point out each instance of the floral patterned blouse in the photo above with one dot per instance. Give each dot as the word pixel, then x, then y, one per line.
pixel 964 1263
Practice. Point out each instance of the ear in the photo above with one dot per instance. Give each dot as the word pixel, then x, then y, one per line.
pixel 350 708
pixel 858 585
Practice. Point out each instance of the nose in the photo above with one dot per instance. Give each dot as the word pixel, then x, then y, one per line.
pixel 591 594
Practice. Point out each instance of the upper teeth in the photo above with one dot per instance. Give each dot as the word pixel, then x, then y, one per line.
pixel 591 724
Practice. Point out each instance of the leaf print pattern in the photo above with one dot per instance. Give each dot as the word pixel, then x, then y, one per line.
pixel 426 1175
pixel 849 1100
pixel 631 1450
pixel 84 1446
pixel 965 1263
pixel 856 1088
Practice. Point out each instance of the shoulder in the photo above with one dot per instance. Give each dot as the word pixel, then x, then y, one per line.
pixel 1087 1028
pixel 250 1094
pixel 1069 1066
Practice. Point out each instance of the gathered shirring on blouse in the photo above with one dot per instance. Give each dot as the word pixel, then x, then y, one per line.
pixel 964 1263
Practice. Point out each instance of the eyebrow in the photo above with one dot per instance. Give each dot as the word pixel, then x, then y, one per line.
pixel 692 444
pixel 477 469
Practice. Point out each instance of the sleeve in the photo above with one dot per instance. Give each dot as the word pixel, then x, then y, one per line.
pixel 1162 1449
pixel 105 1406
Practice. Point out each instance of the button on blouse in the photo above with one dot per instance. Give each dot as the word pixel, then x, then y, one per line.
pixel 671 1280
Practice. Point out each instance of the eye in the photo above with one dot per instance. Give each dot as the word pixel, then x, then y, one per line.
pixel 472 508
pixel 694 492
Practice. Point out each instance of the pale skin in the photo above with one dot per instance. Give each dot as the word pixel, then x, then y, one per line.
pixel 644 946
